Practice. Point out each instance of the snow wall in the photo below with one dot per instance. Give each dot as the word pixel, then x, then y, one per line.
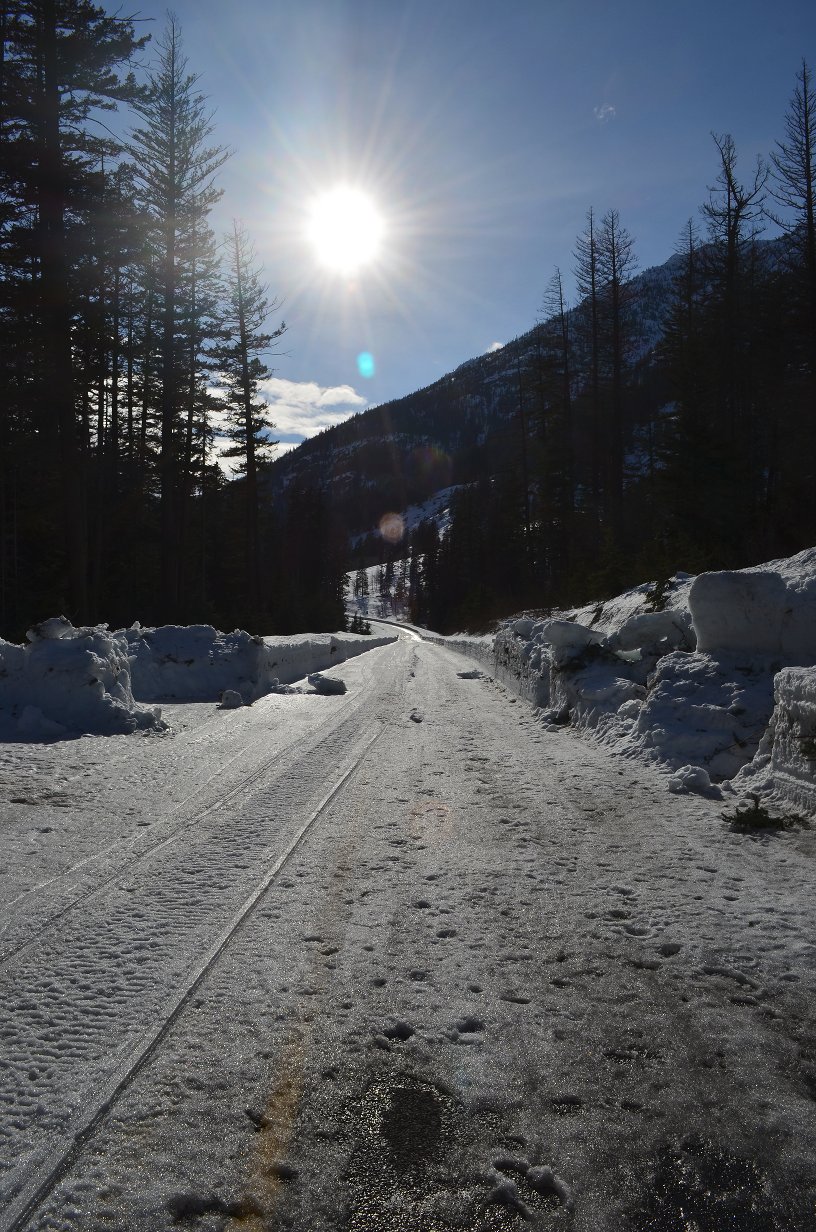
pixel 70 681
pixel 784 766
pixel 197 662
pixel 67 681
pixel 689 675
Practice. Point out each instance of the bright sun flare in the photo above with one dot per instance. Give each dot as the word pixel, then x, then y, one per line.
pixel 345 229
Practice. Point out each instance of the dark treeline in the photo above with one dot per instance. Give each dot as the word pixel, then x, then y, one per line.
pixel 623 458
pixel 126 329
pixel 618 441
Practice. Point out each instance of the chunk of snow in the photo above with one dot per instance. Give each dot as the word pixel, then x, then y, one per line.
pixel 645 629
pixel 692 779
pixel 326 685
pixel 231 700
pixel 52 629
pixel 690 687
pixel 89 680
pixel 33 725
pixel 703 711
pixel 198 662
pixel 568 639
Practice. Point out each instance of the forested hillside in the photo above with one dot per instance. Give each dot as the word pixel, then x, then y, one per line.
pixel 666 419
pixel 669 420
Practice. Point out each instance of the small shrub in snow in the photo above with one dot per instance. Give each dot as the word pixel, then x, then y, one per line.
pixel 657 596
pixel 751 817
pixel 358 624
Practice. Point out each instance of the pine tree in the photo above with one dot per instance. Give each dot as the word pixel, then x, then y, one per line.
pixel 241 370
pixel 588 282
pixel 793 186
pixel 793 172
pixel 62 64
pixel 555 521
pixel 733 214
pixel 175 170
pixel 616 265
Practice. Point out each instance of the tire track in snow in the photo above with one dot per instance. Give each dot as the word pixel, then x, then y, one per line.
pixel 41 1173
pixel 142 849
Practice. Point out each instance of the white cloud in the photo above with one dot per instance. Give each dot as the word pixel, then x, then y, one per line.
pixel 604 113
pixel 494 346
pixel 283 447
pixel 302 408
pixel 220 443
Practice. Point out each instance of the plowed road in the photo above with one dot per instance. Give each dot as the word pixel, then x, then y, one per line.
pixel 397 960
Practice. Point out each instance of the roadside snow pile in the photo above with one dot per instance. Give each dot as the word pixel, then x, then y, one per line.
pixel 71 681
pixel 687 673
pixel 783 772
pixel 198 663
pixel 67 681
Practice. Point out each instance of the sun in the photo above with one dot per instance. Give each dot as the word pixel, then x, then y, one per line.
pixel 345 229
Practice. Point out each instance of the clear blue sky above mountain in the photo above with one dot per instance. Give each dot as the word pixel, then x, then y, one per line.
pixel 484 132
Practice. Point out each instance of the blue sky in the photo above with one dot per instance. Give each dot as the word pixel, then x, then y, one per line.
pixel 484 132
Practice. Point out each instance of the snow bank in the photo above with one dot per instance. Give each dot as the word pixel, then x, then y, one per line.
pixel 704 711
pixel 687 673
pixel 783 772
pixel 758 613
pixel 198 663
pixel 67 681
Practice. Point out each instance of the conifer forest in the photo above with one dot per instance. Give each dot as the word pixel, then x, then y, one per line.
pixel 655 423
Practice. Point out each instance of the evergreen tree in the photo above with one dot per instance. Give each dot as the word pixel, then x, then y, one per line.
pixel 241 371
pixel 793 186
pixel 63 61
pixel 793 171
pixel 175 170
pixel 733 214
pixel 615 266
pixel 556 488
pixel 587 278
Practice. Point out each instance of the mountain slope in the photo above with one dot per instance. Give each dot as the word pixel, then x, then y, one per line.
pixel 461 428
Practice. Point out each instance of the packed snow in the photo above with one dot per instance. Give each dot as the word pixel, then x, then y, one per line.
pixel 68 681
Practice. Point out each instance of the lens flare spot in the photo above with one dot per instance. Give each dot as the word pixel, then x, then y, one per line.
pixel 392 527
pixel 365 364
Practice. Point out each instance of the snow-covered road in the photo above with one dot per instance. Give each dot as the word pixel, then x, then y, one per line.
pixel 396 960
